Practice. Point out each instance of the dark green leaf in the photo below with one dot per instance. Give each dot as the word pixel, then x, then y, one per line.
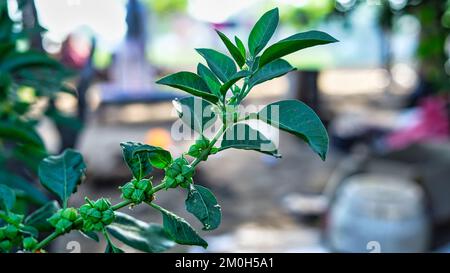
pixel 241 46
pixel 179 230
pixel 158 157
pixel 140 235
pixel 29 191
pixel 138 164
pixel 202 203
pixel 236 77
pixel 38 218
pixel 270 71
pixel 61 174
pixel 263 31
pixel 111 248
pixel 234 50
pixel 20 132
pixel 294 43
pixel 297 118
pixel 189 82
pixel 222 65
pixel 141 157
pixel 90 235
pixel 196 113
pixel 242 136
pixel 32 231
pixel 210 79
pixel 7 198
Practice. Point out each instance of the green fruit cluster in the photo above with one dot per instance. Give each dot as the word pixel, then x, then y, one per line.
pixel 138 191
pixel 29 243
pixel 179 173
pixel 9 236
pixel 96 215
pixel 64 220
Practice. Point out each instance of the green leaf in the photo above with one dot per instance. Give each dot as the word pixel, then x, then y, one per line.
pixel 20 60
pixel 140 158
pixel 297 118
pixel 90 235
pixel 234 50
pixel 29 191
pixel 7 198
pixel 158 157
pixel 236 77
pixel 38 218
pixel 179 230
pixel 242 136
pixel 145 237
pixel 263 31
pixel 111 248
pixel 270 71
pixel 210 79
pixel 20 132
pixel 222 65
pixel 32 231
pixel 202 203
pixel 189 82
pixel 295 43
pixel 240 46
pixel 138 164
pixel 61 174
pixel 196 113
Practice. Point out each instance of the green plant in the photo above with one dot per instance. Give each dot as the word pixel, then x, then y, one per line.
pixel 26 77
pixel 62 174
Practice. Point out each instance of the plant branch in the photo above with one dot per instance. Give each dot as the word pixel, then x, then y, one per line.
pixel 206 152
pixel 46 241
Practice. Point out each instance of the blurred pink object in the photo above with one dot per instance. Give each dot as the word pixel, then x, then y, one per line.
pixel 432 125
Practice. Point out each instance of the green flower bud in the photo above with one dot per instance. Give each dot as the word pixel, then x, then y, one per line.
pixel 172 173
pixel 6 245
pixel 29 243
pixel 63 225
pixel 15 219
pixel 102 204
pixel 53 220
pixel 108 217
pixel 11 232
pixel 187 170
pixel 138 196
pixel 179 179
pixel 144 184
pixel 185 184
pixel 176 166
pixel 78 223
pixel 194 151
pixel 98 227
pixel 70 214
pixel 202 143
pixel 88 226
pixel 127 190
pixel 84 209
pixel 170 182
pixel 94 215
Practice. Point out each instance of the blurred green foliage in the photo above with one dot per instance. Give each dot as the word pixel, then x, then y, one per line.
pixel 26 77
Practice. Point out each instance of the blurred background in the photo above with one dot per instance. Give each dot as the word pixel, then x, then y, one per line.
pixel 382 92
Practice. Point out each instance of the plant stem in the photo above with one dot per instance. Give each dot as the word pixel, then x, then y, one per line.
pixel 121 205
pixel 47 240
pixel 206 152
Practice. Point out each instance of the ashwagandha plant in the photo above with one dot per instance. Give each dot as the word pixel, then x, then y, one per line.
pixel 218 91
